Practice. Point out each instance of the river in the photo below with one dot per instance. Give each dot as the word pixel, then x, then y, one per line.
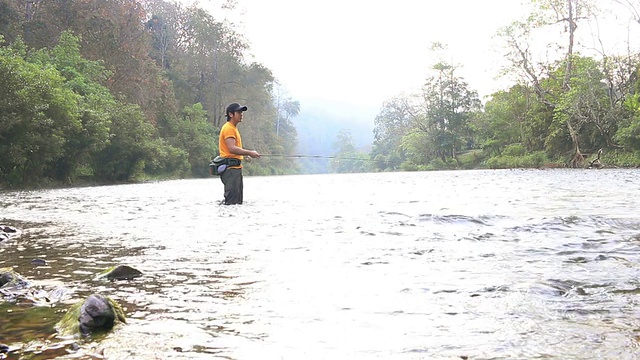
pixel 476 264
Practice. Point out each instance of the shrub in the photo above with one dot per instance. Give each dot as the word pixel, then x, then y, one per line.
pixel 621 159
pixel 533 160
pixel 514 150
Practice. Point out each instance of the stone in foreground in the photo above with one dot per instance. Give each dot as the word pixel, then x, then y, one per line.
pixel 96 314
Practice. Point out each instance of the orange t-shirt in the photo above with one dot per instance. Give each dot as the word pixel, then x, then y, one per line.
pixel 229 131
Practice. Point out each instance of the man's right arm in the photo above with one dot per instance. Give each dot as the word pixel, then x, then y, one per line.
pixel 231 145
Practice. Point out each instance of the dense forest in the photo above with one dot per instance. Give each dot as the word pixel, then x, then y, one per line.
pixel 568 110
pixel 126 90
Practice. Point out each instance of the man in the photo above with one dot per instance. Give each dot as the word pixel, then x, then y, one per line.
pixel 230 145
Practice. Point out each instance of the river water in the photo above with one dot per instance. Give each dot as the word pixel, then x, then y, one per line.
pixel 497 264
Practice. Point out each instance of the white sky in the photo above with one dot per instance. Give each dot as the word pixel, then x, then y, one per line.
pixel 363 52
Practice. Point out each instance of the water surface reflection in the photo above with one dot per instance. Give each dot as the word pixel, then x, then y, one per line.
pixel 484 264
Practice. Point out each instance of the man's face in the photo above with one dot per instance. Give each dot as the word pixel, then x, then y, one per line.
pixel 237 116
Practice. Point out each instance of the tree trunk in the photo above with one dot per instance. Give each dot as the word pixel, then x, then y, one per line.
pixel 578 158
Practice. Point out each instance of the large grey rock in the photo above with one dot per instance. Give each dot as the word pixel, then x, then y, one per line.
pixel 96 313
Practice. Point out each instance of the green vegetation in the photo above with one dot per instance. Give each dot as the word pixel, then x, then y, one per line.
pixel 117 91
pixel 347 159
pixel 113 91
pixel 559 114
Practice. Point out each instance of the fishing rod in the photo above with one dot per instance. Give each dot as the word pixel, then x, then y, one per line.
pixel 315 157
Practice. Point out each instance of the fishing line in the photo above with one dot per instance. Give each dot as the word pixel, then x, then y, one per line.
pixel 315 157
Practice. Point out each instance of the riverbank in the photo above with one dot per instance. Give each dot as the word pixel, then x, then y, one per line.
pixel 468 160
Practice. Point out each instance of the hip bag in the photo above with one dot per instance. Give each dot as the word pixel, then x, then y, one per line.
pixel 219 164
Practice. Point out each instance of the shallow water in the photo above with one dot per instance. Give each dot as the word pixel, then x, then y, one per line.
pixel 424 265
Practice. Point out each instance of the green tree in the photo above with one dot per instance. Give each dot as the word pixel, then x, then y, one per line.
pixel 139 65
pixel 197 137
pixel 209 63
pixel 346 158
pixel 628 134
pixel 83 77
pixel 391 125
pixel 11 16
pixel 162 45
pixel 503 121
pixel 513 117
pixel 450 106
pixel 37 115
pixel 130 147
pixel 549 89
pixel 113 32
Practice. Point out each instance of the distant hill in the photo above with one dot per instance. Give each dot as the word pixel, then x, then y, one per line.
pixel 318 125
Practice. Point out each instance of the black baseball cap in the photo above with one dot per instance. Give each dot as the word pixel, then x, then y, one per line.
pixel 233 107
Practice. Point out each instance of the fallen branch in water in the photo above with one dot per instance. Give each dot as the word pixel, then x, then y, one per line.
pixel 595 163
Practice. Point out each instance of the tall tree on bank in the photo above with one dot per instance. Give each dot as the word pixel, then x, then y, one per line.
pixel 509 119
pixel 55 118
pixel 628 89
pixel 209 61
pixel 109 31
pixel 37 114
pixel 205 59
pixel 449 107
pixel 346 158
pixel 391 125
pixel 551 14
pixel 434 126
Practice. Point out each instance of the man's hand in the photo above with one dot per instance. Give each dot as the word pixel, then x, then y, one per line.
pixel 254 154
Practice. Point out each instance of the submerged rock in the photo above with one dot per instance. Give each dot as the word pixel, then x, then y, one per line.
pixel 39 262
pixel 15 289
pixel 122 272
pixel 11 279
pixel 8 229
pixel 96 313
pixel 7 232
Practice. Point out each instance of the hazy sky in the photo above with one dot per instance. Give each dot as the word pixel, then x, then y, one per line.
pixel 367 51
pixel 363 52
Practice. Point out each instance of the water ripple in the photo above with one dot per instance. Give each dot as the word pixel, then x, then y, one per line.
pixel 479 264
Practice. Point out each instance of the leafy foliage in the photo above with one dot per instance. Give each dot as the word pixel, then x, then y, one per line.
pixel 141 93
pixel 559 112
pixel 38 114
pixel 347 159
pixel 438 124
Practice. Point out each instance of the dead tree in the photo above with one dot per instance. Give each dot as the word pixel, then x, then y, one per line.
pixel 595 163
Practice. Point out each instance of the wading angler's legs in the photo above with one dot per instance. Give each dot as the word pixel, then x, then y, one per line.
pixel 233 186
